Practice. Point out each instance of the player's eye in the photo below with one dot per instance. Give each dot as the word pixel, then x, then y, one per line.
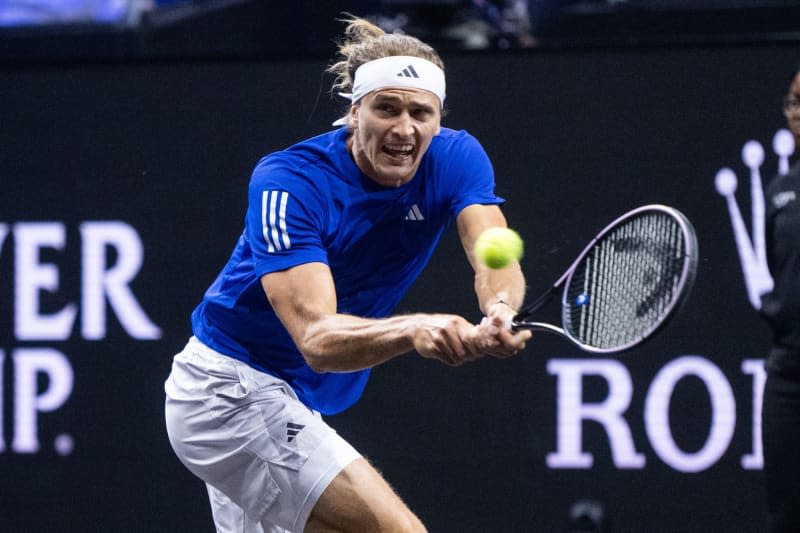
pixel 422 114
pixel 385 108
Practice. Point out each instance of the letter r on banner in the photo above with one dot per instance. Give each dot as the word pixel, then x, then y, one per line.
pixel 609 413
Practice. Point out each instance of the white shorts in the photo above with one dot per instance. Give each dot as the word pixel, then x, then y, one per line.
pixel 265 456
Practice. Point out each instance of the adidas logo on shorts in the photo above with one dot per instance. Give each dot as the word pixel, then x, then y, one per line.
pixel 293 429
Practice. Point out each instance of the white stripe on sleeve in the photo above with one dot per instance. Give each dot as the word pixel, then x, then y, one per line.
pixel 282 217
pixel 264 225
pixel 273 220
pixel 273 200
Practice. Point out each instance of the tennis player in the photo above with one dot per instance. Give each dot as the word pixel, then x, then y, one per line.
pixel 780 415
pixel 337 229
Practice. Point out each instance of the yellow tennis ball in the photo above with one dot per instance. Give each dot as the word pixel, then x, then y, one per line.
pixel 497 247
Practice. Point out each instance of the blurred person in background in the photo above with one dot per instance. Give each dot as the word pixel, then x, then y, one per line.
pixel 22 13
pixel 781 308
pixel 47 12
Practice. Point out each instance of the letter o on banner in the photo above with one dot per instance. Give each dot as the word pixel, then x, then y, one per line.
pixel 723 413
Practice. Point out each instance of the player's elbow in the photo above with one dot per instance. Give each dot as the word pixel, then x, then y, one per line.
pixel 313 349
pixel 312 340
pixel 317 360
pixel 328 347
pixel 327 355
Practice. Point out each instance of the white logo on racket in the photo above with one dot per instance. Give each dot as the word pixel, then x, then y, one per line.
pixel 752 252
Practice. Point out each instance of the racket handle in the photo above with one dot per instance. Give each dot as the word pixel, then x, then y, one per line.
pixel 537 326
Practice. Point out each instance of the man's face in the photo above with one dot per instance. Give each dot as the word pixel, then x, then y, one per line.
pixel 792 111
pixel 392 130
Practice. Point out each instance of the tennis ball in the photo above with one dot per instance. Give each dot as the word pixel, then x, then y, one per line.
pixel 497 247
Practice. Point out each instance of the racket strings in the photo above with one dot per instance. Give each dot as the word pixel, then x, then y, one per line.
pixel 626 283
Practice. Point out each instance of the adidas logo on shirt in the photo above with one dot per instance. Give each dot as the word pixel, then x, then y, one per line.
pixel 414 213
pixel 408 72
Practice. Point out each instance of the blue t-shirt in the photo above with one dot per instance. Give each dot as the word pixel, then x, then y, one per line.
pixel 311 203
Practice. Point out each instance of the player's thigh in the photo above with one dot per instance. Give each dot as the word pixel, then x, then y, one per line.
pixel 360 499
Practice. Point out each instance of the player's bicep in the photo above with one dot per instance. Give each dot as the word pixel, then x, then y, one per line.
pixel 301 296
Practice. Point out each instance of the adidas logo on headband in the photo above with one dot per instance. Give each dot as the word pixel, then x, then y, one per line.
pixel 408 72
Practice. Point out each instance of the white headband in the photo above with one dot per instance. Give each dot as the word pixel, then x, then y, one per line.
pixel 396 71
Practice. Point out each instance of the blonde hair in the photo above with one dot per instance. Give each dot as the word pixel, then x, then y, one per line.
pixel 364 41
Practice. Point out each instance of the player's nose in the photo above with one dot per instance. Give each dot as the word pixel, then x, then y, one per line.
pixel 403 125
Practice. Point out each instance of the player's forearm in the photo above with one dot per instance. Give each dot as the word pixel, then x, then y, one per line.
pixel 505 284
pixel 343 343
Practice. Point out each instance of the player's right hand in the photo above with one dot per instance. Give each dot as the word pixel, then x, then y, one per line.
pixel 494 338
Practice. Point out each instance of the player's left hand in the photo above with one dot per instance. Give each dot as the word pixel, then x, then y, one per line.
pixel 493 336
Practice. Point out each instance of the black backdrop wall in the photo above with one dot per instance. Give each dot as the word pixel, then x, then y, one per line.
pixel 122 190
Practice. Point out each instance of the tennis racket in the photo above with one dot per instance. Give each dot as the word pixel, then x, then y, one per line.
pixel 626 284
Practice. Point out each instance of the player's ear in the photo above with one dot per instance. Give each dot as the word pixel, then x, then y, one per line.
pixel 353 115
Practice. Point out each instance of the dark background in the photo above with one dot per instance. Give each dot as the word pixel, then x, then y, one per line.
pixel 165 142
